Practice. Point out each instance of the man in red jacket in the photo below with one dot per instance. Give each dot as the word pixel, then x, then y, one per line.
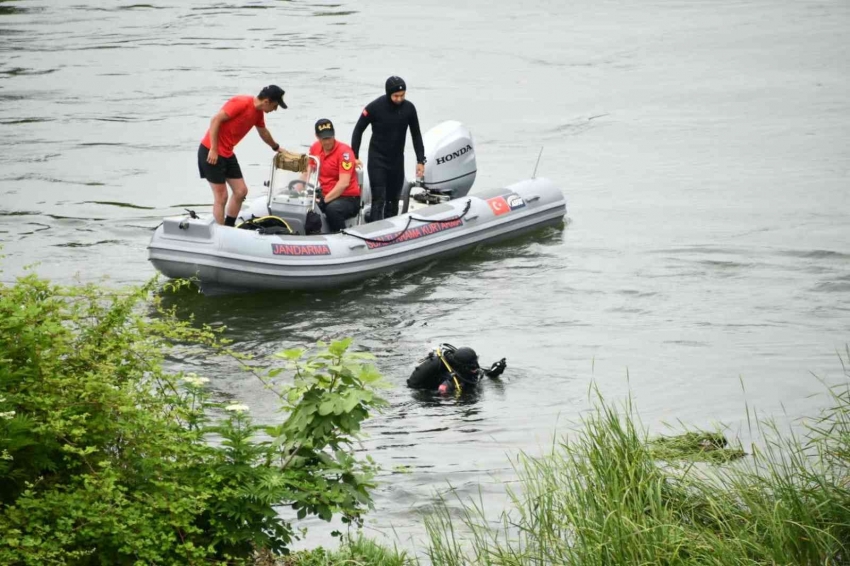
pixel 216 161
pixel 337 177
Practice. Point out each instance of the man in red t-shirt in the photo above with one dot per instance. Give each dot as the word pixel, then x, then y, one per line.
pixel 216 161
pixel 337 176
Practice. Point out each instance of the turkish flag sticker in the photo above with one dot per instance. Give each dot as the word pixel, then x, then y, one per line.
pixel 498 205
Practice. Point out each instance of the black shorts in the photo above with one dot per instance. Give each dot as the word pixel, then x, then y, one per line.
pixel 224 168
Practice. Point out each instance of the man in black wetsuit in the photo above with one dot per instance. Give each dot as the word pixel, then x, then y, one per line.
pixel 449 369
pixel 390 116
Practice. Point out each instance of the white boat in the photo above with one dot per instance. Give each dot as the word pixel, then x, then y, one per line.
pixel 440 218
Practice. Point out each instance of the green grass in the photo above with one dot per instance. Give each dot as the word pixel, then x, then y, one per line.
pixel 607 494
pixel 695 446
pixel 357 552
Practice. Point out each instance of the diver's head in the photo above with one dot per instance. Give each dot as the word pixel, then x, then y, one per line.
pixel 464 360
pixel 396 89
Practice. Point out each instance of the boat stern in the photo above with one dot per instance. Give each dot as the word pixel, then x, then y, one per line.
pixel 177 241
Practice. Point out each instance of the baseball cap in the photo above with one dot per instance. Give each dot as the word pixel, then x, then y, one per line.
pixel 273 93
pixel 324 129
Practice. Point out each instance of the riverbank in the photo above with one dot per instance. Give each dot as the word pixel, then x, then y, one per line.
pixel 106 456
pixel 608 493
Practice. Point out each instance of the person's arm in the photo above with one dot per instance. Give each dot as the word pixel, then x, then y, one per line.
pixel 340 186
pixel 215 124
pixel 305 175
pixel 357 136
pixel 266 136
pixel 344 171
pixel 418 146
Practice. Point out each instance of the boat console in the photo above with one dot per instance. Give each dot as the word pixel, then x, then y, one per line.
pixel 450 170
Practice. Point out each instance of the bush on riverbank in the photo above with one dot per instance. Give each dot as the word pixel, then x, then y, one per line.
pixel 105 458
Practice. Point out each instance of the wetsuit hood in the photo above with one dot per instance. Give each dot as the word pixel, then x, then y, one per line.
pixel 394 84
pixel 464 360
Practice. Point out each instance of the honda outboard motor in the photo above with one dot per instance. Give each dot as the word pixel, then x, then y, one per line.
pixel 450 159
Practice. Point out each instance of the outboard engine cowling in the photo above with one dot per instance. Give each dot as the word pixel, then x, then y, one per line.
pixel 450 159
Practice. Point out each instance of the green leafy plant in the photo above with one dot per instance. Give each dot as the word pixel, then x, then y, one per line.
pixel 331 395
pixel 105 458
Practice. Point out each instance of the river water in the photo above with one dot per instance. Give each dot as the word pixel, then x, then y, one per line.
pixel 703 146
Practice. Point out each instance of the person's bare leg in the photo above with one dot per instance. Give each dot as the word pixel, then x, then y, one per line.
pixel 219 200
pixel 240 191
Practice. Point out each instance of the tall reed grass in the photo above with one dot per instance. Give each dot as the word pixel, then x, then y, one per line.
pixel 602 497
pixel 608 494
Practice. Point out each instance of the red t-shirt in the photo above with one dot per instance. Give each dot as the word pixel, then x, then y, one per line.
pixel 338 162
pixel 243 117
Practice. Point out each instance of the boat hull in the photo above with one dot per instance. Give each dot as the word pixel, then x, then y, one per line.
pixel 226 258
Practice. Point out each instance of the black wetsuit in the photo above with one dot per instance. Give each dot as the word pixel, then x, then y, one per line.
pixel 432 373
pixel 386 150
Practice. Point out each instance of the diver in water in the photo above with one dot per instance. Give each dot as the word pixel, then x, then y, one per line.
pixel 448 369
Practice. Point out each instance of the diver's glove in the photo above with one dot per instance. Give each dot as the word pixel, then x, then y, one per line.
pixel 497 368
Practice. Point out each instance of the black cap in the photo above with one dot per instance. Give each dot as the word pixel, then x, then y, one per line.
pixel 395 84
pixel 324 129
pixel 273 93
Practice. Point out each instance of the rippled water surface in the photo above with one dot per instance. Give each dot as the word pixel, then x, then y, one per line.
pixel 704 148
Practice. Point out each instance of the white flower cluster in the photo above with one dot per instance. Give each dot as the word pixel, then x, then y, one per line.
pixel 195 380
pixel 8 414
pixel 236 408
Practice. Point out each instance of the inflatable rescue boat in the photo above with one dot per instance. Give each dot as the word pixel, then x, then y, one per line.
pixel 439 218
